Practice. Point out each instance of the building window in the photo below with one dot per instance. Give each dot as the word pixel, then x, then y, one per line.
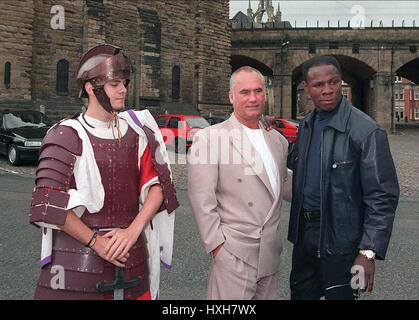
pixel 396 96
pixel 176 82
pixel 417 113
pixel 401 96
pixel 62 77
pixel 416 94
pixel 7 74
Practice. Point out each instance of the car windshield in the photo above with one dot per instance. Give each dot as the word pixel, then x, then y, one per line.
pixel 13 120
pixel 295 122
pixel 197 123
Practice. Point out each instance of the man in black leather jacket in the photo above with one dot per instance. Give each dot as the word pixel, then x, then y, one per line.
pixel 345 192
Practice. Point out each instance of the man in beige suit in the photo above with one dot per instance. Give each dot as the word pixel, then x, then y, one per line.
pixel 237 179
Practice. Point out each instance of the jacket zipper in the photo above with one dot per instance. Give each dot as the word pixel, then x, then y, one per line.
pixel 321 193
pixel 341 163
pixel 306 146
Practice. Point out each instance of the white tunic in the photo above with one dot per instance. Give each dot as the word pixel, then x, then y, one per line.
pixel 90 193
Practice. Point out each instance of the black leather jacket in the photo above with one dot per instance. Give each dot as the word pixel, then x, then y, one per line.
pixel 359 190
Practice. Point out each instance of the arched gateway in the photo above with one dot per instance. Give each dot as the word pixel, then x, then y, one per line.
pixel 371 59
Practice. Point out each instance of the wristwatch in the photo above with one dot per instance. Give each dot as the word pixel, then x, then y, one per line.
pixel 369 254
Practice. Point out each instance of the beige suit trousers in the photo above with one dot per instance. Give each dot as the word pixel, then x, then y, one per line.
pixel 233 279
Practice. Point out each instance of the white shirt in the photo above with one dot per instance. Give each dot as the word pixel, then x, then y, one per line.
pixel 258 141
pixel 101 129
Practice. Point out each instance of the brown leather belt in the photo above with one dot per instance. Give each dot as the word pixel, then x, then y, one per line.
pixel 310 214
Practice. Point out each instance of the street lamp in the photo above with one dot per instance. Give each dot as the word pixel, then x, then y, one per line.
pixel 283 45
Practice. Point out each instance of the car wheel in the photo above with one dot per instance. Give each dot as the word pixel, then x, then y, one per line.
pixel 13 156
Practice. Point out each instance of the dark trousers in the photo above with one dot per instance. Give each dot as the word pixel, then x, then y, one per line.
pixel 313 277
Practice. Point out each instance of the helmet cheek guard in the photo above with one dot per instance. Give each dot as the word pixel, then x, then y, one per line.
pixel 103 98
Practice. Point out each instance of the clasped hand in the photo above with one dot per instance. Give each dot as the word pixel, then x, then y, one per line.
pixel 115 245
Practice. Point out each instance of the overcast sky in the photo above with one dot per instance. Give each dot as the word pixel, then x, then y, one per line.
pixel 311 11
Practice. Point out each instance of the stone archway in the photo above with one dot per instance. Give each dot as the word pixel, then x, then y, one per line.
pixel 406 104
pixel 237 61
pixel 356 73
pixel 409 70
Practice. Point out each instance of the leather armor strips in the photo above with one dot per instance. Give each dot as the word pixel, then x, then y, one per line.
pixel 54 175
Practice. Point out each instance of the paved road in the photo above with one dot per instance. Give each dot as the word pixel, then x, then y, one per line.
pixel 396 278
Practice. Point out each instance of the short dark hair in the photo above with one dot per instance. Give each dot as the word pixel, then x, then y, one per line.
pixel 320 61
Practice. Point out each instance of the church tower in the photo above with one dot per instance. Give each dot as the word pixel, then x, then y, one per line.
pixel 270 11
pixel 250 11
pixel 278 15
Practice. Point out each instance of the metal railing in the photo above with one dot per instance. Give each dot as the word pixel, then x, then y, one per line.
pixel 329 24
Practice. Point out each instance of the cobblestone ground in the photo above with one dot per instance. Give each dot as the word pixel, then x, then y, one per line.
pixel 188 277
pixel 404 147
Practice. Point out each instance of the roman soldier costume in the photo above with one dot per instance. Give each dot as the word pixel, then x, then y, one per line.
pixel 102 173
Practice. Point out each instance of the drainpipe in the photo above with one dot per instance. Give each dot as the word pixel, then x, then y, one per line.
pixel 281 110
pixel 392 123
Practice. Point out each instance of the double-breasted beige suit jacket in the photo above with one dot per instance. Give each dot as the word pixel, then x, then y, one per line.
pixel 231 196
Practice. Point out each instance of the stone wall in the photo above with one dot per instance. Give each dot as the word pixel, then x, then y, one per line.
pixel 16 21
pixel 178 32
pixel 157 36
pixel 148 64
pixel 49 47
pixel 213 50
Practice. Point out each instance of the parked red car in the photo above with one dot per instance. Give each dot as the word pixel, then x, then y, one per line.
pixel 178 129
pixel 288 128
